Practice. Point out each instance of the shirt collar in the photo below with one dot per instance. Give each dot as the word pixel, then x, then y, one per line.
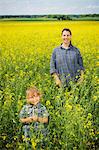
pixel 70 46
pixel 37 105
pixel 31 105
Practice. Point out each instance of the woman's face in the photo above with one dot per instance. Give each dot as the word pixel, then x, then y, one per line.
pixel 66 37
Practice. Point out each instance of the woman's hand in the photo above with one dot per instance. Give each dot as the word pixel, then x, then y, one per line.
pixel 57 80
pixel 80 80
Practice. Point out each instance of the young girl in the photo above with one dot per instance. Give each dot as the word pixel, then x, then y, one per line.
pixel 34 116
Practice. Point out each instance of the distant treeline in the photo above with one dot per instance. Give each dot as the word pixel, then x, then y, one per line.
pixel 53 17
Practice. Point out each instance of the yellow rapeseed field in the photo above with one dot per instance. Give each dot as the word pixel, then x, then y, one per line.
pixel 25 51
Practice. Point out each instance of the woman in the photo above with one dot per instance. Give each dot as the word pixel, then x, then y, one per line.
pixel 66 62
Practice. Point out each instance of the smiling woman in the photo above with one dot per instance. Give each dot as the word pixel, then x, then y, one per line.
pixel 66 62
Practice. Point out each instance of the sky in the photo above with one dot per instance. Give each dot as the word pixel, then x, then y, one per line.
pixel 41 7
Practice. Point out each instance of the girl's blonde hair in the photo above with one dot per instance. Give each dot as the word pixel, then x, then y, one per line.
pixel 32 91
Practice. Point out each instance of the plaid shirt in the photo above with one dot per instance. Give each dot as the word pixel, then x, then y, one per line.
pixel 30 110
pixel 67 63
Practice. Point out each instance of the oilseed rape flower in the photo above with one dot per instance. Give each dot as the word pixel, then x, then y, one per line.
pixel 25 52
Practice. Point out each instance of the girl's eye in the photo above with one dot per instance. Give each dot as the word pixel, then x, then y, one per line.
pixel 30 97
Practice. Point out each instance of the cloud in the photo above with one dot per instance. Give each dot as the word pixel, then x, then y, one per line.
pixel 23 7
pixel 92 7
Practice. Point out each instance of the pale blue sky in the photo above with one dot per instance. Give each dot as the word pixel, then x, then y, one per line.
pixel 38 7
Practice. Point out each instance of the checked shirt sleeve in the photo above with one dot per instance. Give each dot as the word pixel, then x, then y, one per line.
pixel 44 112
pixel 80 60
pixel 53 63
pixel 23 113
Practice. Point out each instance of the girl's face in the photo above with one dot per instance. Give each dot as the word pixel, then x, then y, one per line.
pixel 66 37
pixel 33 98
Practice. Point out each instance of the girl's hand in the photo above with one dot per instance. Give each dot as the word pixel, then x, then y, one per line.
pixel 26 120
pixel 34 118
pixel 29 120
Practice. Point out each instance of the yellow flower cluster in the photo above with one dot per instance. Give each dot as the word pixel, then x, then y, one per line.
pixel 25 51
